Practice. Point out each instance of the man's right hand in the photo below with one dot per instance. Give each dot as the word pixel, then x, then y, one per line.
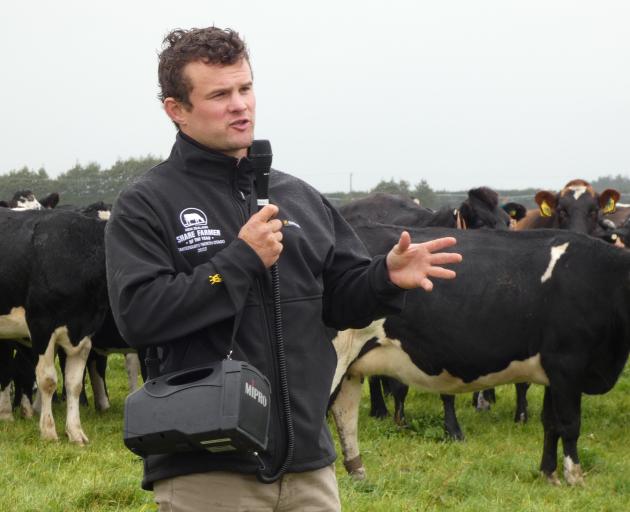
pixel 263 234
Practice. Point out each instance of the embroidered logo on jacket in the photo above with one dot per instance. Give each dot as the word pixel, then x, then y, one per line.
pixel 215 279
pixel 197 235
pixel 192 217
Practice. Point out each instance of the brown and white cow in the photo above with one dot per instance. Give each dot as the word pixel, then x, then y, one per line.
pixel 577 207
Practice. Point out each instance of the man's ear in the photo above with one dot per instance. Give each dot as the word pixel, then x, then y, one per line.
pixel 176 111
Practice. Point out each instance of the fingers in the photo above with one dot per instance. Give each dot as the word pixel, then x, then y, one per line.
pixel 439 243
pixel 403 243
pixel 267 213
pixel 426 285
pixel 263 233
pixel 441 273
pixel 445 258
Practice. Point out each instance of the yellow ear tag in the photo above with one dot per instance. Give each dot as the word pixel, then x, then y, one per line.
pixel 545 209
pixel 512 213
pixel 610 206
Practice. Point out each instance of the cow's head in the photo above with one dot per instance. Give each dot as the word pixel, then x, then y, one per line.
pixel 577 206
pixel 25 200
pixel 481 210
pixel 516 211
pixel 98 210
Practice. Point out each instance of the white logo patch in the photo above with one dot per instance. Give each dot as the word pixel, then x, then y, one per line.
pixel 197 235
pixel 193 217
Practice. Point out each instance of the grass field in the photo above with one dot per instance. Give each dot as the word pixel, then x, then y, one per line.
pixel 411 469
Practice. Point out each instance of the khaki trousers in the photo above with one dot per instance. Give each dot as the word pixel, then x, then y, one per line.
pixel 312 491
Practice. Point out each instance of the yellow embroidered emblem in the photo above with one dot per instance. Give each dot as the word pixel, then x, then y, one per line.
pixel 215 279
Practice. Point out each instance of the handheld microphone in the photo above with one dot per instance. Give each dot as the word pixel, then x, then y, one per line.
pixel 260 155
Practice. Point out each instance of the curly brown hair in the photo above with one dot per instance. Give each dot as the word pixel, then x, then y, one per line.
pixel 211 45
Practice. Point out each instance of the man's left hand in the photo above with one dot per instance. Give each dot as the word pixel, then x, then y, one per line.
pixel 411 265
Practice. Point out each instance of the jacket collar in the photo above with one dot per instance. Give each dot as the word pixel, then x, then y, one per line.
pixel 206 163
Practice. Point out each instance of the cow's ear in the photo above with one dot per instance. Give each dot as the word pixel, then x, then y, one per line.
pixel 547 202
pixel 608 200
pixel 50 201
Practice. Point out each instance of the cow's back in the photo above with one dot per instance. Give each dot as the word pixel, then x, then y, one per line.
pixel 388 209
pixel 516 295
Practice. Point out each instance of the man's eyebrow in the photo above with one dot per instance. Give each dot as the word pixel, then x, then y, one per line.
pixel 220 89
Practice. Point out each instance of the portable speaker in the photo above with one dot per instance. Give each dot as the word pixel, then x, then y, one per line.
pixel 221 407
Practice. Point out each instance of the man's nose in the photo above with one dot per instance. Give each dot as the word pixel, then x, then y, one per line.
pixel 237 102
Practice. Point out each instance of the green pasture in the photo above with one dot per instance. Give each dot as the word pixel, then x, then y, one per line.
pixel 411 469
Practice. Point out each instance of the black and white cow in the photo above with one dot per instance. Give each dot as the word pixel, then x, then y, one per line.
pixel 544 306
pixel 16 361
pixel 577 207
pixel 105 341
pixel 26 200
pixel 52 274
pixel 480 210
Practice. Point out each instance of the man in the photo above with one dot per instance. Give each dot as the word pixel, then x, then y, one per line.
pixel 187 252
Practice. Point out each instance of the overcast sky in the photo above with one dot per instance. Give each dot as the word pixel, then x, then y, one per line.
pixel 461 93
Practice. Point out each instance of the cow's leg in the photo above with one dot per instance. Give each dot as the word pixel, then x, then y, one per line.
pixel 132 365
pixel 490 395
pixel 83 400
pixel 549 461
pixel 6 377
pixel 378 408
pixel 46 376
pixel 24 380
pixel 97 365
pixel 480 402
pixel 6 410
pixel 37 403
pixel 567 404
pixel 75 370
pixel 451 425
pixel 345 410
pixel 521 415
pixel 399 391
pixel 26 407
pixel 562 409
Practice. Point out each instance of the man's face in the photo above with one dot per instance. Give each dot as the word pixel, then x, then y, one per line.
pixel 223 109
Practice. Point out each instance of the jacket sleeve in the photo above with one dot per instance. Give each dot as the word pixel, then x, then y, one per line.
pixel 150 301
pixel 357 290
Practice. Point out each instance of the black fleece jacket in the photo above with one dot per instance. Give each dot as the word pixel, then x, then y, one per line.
pixel 178 274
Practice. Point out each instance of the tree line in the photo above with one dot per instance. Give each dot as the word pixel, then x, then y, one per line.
pixel 83 185
pixel 80 185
